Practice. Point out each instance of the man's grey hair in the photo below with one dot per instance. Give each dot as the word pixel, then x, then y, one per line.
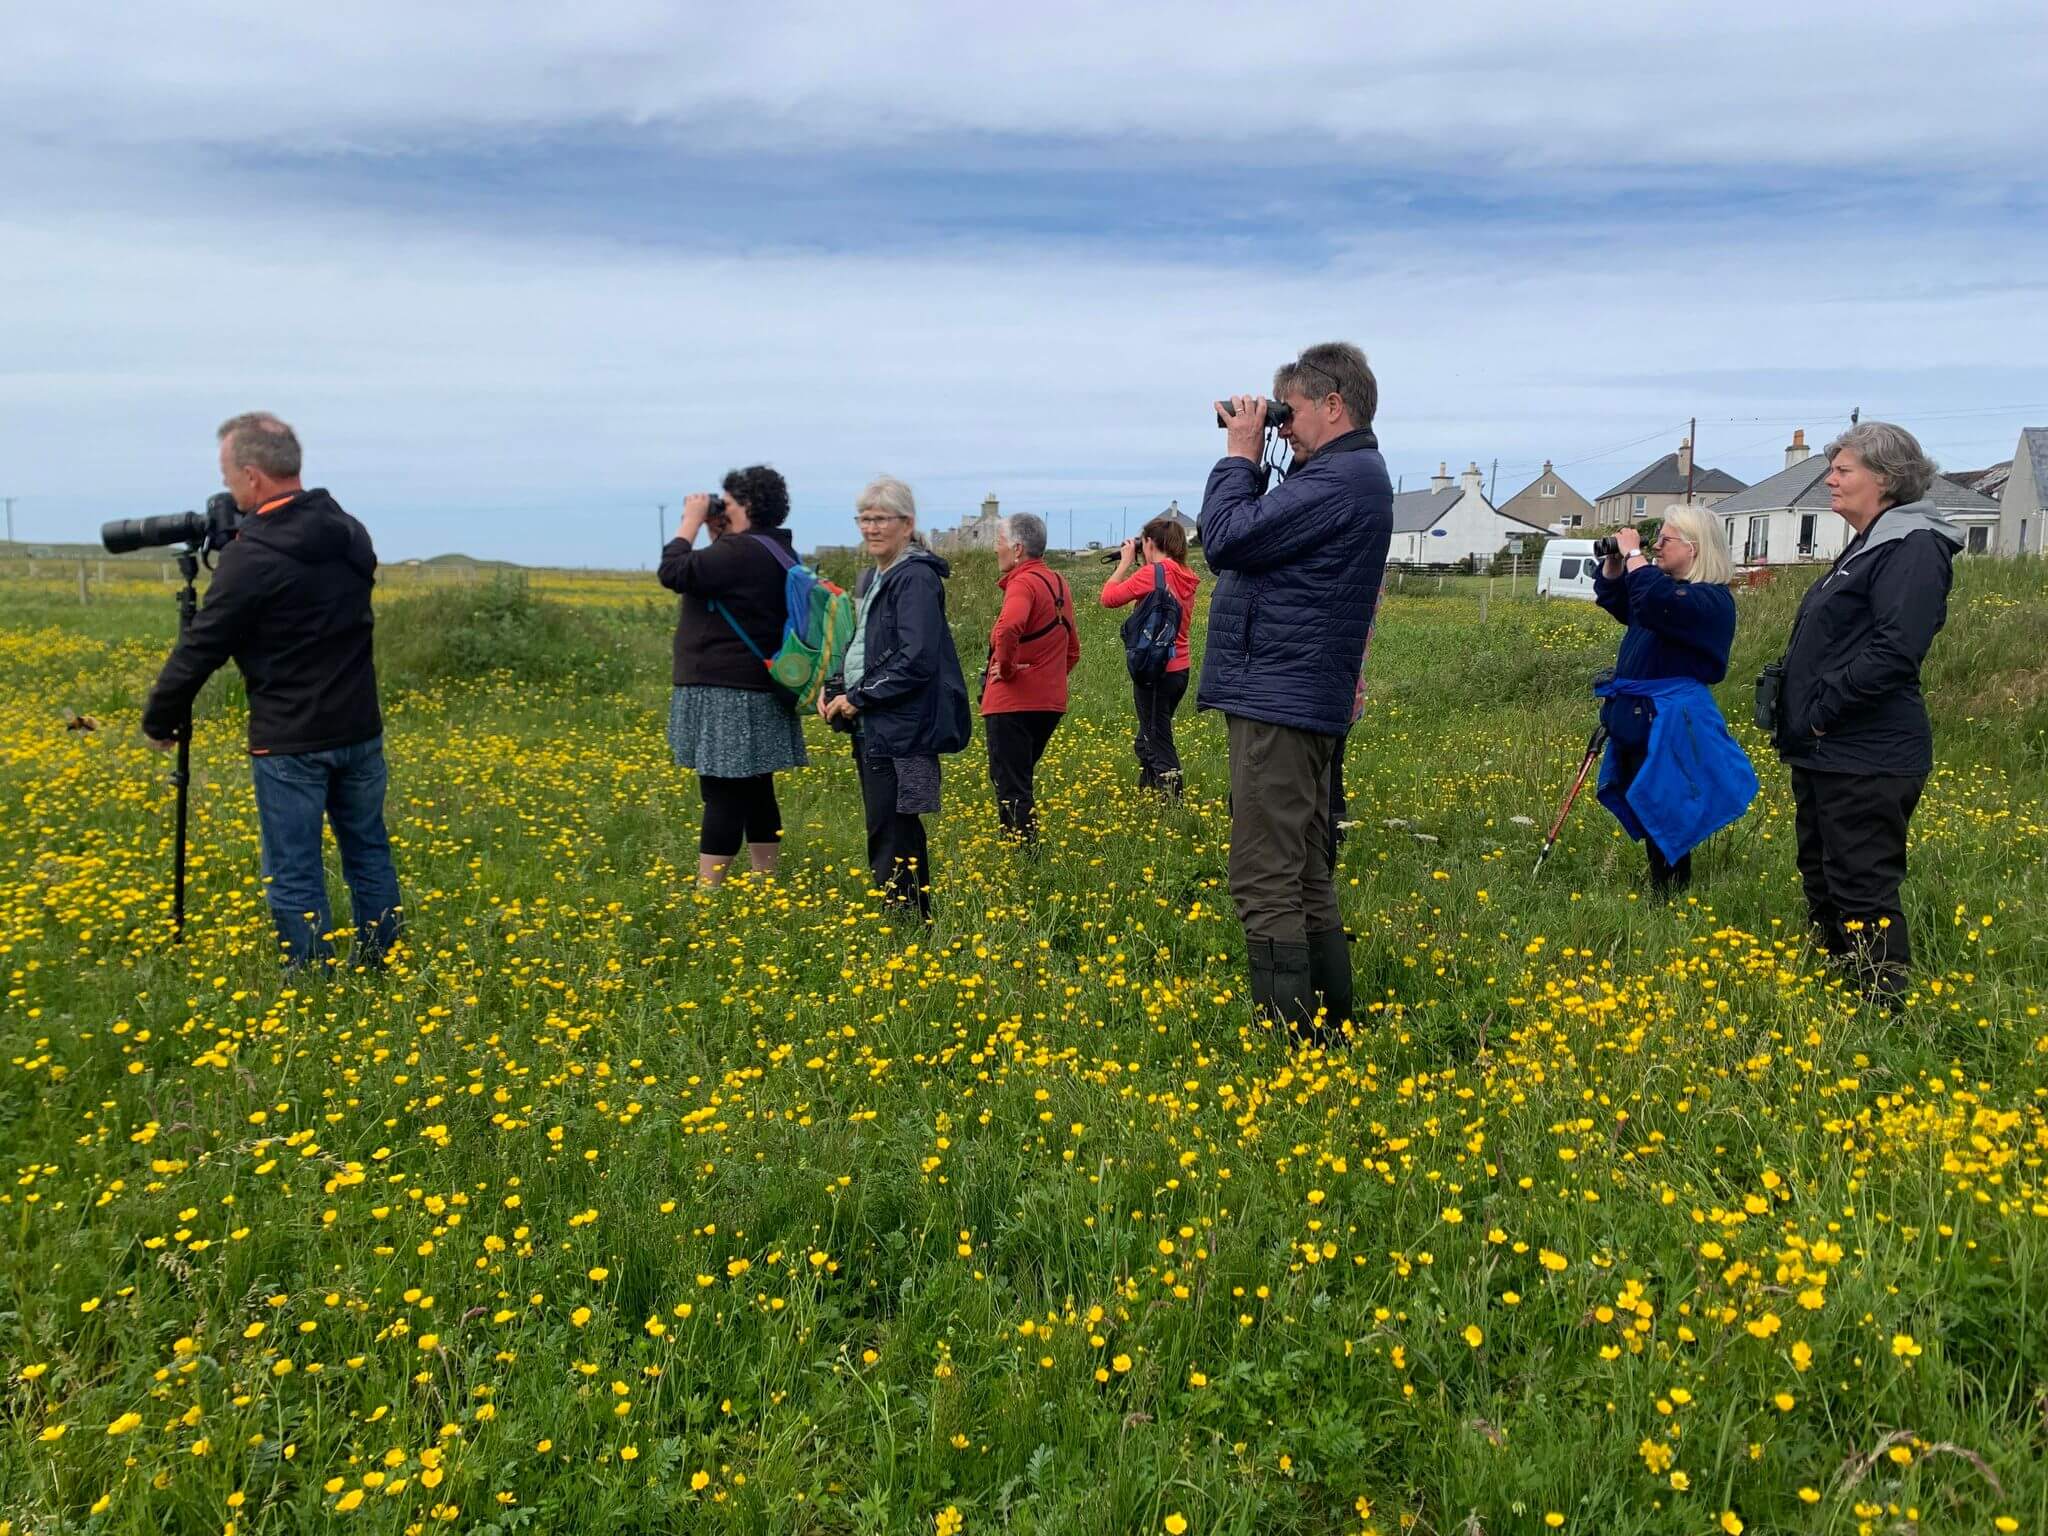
pixel 259 440
pixel 1026 530
pixel 1892 454
pixel 885 493
pixel 1332 367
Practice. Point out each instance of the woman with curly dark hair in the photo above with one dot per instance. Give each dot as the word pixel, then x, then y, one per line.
pixel 726 720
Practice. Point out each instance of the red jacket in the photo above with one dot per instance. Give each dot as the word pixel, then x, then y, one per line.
pixel 1180 581
pixel 1034 646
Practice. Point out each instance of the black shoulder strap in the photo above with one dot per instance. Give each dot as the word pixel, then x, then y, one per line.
pixel 1056 589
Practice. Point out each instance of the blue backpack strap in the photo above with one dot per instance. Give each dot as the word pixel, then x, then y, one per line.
pixel 774 547
pixel 746 639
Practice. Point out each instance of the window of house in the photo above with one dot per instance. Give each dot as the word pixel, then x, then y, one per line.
pixel 1979 540
pixel 1757 545
pixel 1809 523
pixel 1728 528
pixel 1549 488
pixel 1641 503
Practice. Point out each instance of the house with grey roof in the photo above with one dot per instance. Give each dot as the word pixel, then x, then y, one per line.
pixel 1788 518
pixel 1452 521
pixel 2023 508
pixel 1656 488
pixel 1549 502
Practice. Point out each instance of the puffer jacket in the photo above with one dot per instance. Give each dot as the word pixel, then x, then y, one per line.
pixel 1298 577
pixel 911 700
pixel 1851 700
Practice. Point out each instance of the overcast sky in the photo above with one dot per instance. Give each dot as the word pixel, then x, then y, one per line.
pixel 519 272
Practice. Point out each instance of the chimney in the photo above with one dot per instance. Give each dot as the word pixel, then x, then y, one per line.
pixel 1472 483
pixel 988 506
pixel 1797 452
pixel 1441 480
pixel 1684 457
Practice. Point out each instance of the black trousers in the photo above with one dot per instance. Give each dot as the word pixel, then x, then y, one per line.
pixel 1016 741
pixel 1156 704
pixel 1852 861
pixel 736 811
pixel 899 858
pixel 1666 875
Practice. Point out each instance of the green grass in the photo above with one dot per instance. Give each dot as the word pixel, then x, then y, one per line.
pixel 865 1179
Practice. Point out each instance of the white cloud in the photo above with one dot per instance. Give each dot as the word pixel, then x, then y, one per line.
pixel 1499 83
pixel 536 399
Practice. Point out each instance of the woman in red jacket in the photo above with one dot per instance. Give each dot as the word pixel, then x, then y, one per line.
pixel 1024 690
pixel 1161 543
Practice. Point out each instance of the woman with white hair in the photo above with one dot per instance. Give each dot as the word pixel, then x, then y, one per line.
pixel 1681 623
pixel 900 694
pixel 1849 718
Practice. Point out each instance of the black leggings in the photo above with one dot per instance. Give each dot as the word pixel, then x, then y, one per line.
pixel 736 811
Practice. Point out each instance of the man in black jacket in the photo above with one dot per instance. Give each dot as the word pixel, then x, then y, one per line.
pixel 290 604
pixel 1852 725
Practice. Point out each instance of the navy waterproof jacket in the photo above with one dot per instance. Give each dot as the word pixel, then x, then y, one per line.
pixel 1298 573
pixel 911 698
pixel 1695 778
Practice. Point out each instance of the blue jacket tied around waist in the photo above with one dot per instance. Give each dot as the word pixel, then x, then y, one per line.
pixel 1695 778
pixel 1298 572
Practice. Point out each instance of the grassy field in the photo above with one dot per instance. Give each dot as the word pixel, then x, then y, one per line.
pixel 626 1206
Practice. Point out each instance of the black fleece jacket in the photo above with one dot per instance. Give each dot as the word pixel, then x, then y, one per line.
pixel 744 578
pixel 290 604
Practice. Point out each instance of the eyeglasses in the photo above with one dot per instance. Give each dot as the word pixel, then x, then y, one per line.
pixel 876 522
pixel 1667 537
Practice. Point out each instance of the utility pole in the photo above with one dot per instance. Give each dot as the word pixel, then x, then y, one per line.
pixel 1070 531
pixel 10 500
pixel 1493 479
pixel 1692 439
pixel 1124 526
pixel 661 523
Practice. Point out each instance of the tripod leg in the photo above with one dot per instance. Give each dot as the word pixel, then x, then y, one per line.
pixel 183 779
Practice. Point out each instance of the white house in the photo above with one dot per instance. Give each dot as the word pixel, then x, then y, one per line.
pixel 1452 521
pixel 1787 519
pixel 2023 507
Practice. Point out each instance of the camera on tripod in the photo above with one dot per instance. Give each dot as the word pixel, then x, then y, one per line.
pixel 210 530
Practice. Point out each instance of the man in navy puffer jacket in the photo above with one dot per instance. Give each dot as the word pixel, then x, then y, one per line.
pixel 1298 575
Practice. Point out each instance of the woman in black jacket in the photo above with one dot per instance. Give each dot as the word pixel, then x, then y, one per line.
pixel 901 694
pixel 1852 725
pixel 725 719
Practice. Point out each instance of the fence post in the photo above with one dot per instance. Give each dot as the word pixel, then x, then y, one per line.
pixel 81 581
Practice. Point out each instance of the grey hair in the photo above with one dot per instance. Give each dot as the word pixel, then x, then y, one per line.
pixel 885 493
pixel 1892 454
pixel 1702 530
pixel 259 440
pixel 1026 530
pixel 1332 367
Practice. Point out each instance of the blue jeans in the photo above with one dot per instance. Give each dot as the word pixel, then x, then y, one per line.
pixel 293 794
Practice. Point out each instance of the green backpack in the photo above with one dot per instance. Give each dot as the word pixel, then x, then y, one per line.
pixel 815 631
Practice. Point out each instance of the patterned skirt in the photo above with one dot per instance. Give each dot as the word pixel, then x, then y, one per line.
pixel 733 733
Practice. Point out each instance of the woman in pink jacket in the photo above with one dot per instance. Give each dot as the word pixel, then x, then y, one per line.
pixel 1161 544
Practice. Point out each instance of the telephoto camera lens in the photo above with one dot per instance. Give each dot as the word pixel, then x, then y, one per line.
pixel 132 533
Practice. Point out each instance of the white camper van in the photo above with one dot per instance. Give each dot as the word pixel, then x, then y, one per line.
pixel 1567 569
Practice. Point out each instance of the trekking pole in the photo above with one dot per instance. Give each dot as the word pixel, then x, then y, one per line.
pixel 181 776
pixel 1593 745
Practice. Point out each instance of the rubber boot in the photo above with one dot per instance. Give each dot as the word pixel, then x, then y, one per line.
pixel 1329 969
